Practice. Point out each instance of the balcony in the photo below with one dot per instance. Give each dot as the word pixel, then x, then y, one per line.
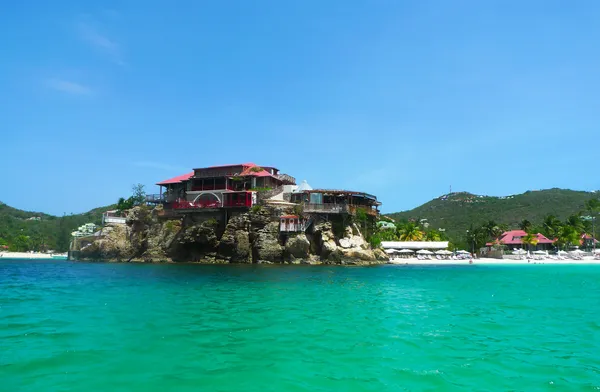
pixel 329 208
pixel 156 198
pixel 326 208
pixel 193 205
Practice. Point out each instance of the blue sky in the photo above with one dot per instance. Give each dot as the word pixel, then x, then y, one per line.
pixel 396 98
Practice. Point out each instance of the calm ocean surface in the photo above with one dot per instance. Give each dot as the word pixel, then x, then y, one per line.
pixel 136 327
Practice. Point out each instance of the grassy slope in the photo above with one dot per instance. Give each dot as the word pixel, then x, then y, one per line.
pixel 459 210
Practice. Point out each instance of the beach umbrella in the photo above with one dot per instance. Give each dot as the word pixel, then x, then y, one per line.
pixel 424 252
pixel 406 251
pixel 562 252
pixel 519 252
pixel 443 252
pixel 577 251
pixel 539 252
pixel 462 251
pixel 390 251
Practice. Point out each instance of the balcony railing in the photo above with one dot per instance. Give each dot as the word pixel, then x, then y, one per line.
pixel 326 207
pixel 192 205
pixel 181 204
pixel 330 208
pixel 156 198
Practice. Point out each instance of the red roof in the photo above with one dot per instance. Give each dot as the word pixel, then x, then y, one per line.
pixel 176 180
pixel 585 236
pixel 251 171
pixel 514 237
pixel 239 164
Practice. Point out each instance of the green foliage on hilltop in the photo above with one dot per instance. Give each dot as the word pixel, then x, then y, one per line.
pixel 469 219
pixel 137 198
pixel 21 233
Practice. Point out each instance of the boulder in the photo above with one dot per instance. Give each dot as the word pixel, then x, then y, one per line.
pixel 114 246
pixel 324 239
pixel 380 255
pixel 235 243
pixel 297 247
pixel 266 244
pixel 359 254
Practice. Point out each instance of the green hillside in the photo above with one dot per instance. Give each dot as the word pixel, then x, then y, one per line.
pixel 456 212
pixel 24 230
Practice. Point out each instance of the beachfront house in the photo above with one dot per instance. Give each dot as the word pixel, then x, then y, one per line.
pixel 513 239
pixel 587 241
pixel 216 187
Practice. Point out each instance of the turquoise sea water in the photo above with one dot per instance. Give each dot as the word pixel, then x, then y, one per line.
pixel 135 327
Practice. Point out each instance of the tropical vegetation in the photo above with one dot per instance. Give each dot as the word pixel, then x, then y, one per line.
pixel 22 231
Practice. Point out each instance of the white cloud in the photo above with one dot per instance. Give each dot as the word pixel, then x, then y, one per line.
pixel 69 87
pixel 101 42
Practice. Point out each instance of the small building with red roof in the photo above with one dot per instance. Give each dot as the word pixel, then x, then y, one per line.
pixel 513 239
pixel 588 241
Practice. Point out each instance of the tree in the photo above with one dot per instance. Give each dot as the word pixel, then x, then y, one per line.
pixel 530 240
pixel 410 231
pixel 139 195
pixel 576 223
pixel 525 225
pixel 567 236
pixel 476 237
pixel 551 226
pixel 21 243
pixel 433 235
pixel 493 230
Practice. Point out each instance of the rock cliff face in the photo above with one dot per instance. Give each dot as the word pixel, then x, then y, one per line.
pixel 251 237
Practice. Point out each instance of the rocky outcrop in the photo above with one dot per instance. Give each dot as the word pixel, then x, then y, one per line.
pixel 195 240
pixel 266 244
pixel 113 246
pixel 324 240
pixel 235 243
pixel 297 247
pixel 250 237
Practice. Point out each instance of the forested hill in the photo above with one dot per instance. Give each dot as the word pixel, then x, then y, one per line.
pixel 457 211
pixel 24 230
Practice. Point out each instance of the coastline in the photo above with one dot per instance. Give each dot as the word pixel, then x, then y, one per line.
pixel 30 256
pixel 489 261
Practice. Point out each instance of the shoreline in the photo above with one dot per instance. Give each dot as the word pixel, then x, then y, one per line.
pixel 31 256
pixel 489 261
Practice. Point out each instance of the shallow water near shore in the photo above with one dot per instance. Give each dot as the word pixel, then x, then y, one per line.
pixel 156 327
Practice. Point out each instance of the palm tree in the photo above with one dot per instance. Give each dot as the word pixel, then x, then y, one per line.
pixel 493 230
pixel 410 231
pixel 567 236
pixel 551 226
pixel 530 240
pixel 433 235
pixel 576 222
pixel 525 225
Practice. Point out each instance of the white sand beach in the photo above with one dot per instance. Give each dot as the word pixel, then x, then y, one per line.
pixel 28 256
pixel 482 261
